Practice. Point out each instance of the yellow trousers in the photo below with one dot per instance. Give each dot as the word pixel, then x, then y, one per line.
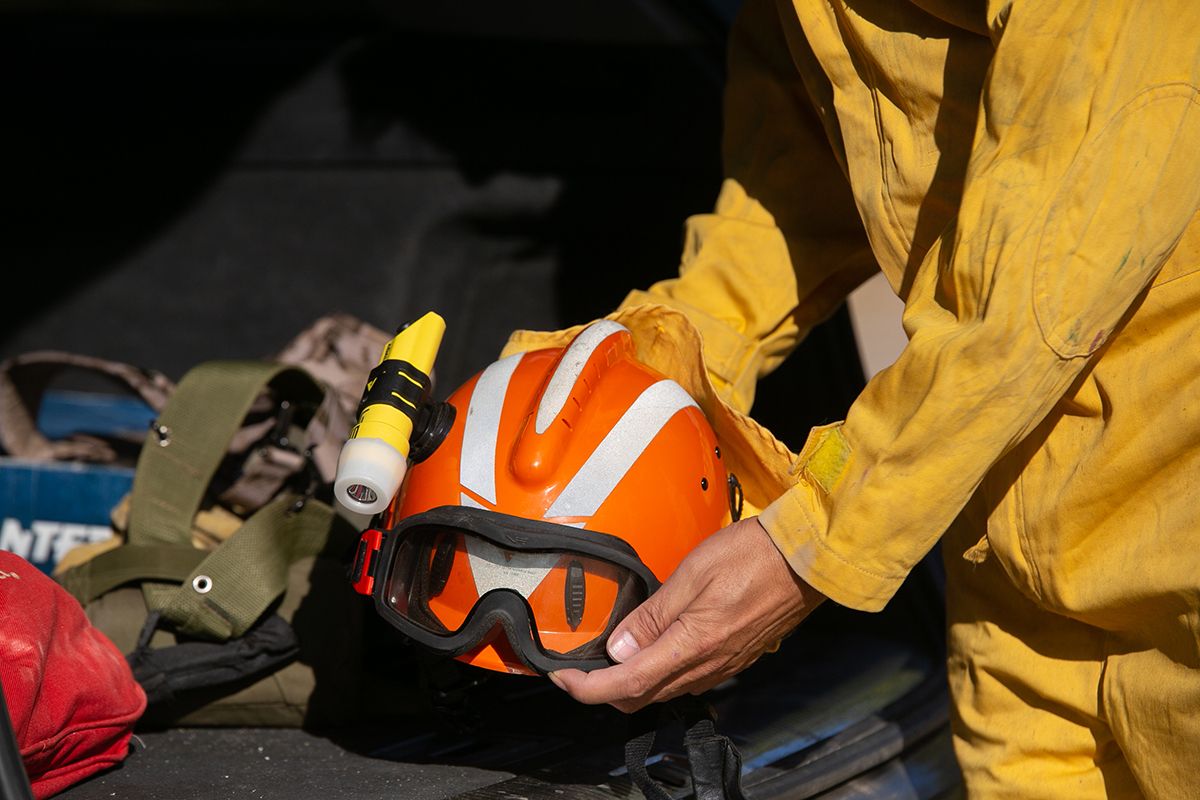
pixel 1049 707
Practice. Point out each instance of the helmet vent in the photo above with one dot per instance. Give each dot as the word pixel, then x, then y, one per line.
pixel 574 594
pixel 570 369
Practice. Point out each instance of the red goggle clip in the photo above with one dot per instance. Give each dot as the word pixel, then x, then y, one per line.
pixel 363 574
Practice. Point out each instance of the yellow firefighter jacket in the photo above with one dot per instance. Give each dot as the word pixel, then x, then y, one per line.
pixel 1027 177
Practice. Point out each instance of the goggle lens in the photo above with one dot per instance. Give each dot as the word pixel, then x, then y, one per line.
pixel 439 574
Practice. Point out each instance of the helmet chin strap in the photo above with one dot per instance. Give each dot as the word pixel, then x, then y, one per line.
pixel 714 762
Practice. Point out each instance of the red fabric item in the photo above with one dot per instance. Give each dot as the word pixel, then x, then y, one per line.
pixel 71 696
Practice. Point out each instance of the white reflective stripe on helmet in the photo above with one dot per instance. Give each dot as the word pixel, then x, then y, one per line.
pixel 568 369
pixel 493 568
pixel 623 445
pixel 477 466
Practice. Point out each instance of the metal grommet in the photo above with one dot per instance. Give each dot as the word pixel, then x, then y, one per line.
pixel 202 584
pixel 162 432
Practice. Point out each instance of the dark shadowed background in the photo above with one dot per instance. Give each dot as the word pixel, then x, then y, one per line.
pixel 189 181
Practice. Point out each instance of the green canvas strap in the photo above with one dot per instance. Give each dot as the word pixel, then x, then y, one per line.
pixel 192 436
pixel 231 588
pixel 128 564
pixel 223 594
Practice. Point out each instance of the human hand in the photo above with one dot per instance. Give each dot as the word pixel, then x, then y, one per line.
pixel 729 601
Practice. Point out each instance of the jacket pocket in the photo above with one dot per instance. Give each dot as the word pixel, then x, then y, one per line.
pixel 1123 205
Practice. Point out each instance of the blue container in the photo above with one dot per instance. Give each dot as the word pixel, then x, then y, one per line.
pixel 46 508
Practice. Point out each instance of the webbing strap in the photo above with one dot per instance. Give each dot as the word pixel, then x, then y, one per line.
pixel 230 589
pixel 713 761
pixel 637 750
pixel 191 438
pixel 127 564
pixel 223 594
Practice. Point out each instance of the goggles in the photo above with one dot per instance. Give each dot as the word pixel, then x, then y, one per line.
pixel 454 578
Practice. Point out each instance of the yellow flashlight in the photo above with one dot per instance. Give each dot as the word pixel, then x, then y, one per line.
pixel 375 456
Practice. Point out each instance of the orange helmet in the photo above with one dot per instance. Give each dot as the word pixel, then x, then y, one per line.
pixel 572 482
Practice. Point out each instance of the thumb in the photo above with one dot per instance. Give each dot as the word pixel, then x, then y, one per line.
pixel 647 622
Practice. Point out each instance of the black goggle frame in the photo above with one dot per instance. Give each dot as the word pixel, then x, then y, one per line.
pixel 500 608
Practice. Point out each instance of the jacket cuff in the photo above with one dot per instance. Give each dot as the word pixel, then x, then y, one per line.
pixel 798 523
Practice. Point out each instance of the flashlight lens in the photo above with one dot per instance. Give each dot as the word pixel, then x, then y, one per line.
pixel 363 494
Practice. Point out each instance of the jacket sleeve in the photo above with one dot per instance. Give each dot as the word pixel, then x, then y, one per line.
pixel 1083 176
pixel 784 244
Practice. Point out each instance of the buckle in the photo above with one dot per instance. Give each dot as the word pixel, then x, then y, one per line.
pixel 278 437
pixel 278 451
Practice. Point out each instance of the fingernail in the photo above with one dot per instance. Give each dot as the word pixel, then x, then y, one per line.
pixel 557 680
pixel 623 647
